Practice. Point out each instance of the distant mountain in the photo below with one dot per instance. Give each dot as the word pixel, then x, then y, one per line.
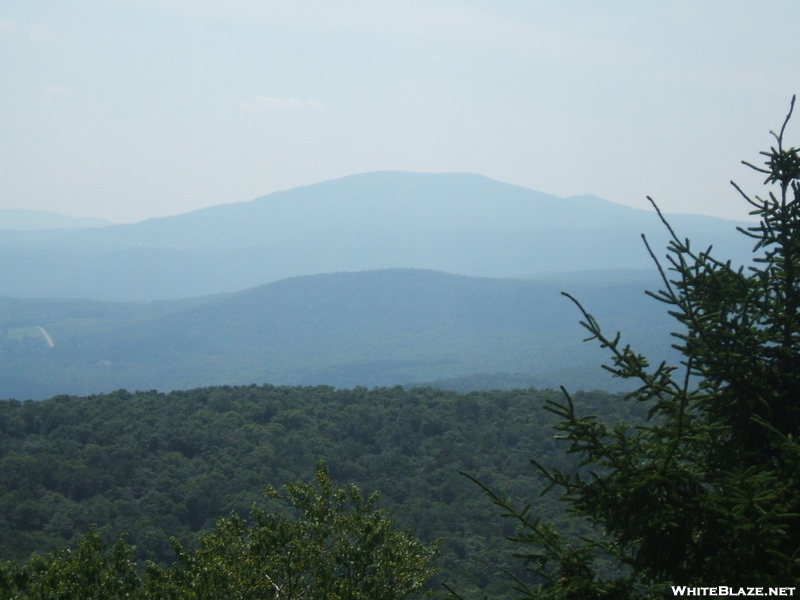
pixel 455 222
pixel 22 219
pixel 387 327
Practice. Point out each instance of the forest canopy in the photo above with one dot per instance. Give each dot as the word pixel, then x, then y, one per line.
pixel 156 465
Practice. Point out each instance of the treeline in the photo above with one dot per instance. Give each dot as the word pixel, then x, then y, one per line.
pixel 157 466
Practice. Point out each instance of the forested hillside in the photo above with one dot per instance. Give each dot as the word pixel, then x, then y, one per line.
pixel 376 328
pixel 156 465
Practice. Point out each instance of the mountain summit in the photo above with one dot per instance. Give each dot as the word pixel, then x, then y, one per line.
pixel 456 222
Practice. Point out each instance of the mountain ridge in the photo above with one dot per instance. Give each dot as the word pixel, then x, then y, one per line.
pixel 458 223
pixel 333 203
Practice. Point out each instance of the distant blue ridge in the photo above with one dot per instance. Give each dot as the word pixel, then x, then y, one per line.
pixel 454 222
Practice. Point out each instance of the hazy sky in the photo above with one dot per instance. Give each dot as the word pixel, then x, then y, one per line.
pixel 129 109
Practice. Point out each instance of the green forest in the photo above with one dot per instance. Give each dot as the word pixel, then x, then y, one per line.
pixel 155 465
pixel 690 481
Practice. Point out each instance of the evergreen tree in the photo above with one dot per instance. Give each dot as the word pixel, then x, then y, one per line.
pixel 706 492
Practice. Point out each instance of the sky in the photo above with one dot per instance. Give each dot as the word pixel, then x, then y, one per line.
pixel 132 109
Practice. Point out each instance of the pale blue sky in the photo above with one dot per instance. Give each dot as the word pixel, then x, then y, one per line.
pixel 129 109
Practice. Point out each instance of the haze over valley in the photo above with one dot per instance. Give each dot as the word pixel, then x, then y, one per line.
pixel 374 279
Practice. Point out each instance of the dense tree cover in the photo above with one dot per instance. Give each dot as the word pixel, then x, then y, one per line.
pixel 160 465
pixel 706 492
pixel 335 547
pixel 88 572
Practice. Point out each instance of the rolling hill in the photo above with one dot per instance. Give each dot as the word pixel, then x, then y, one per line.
pixel 384 327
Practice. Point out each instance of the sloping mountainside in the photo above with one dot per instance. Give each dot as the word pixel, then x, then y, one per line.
pixel 458 223
pixel 156 465
pixel 343 329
